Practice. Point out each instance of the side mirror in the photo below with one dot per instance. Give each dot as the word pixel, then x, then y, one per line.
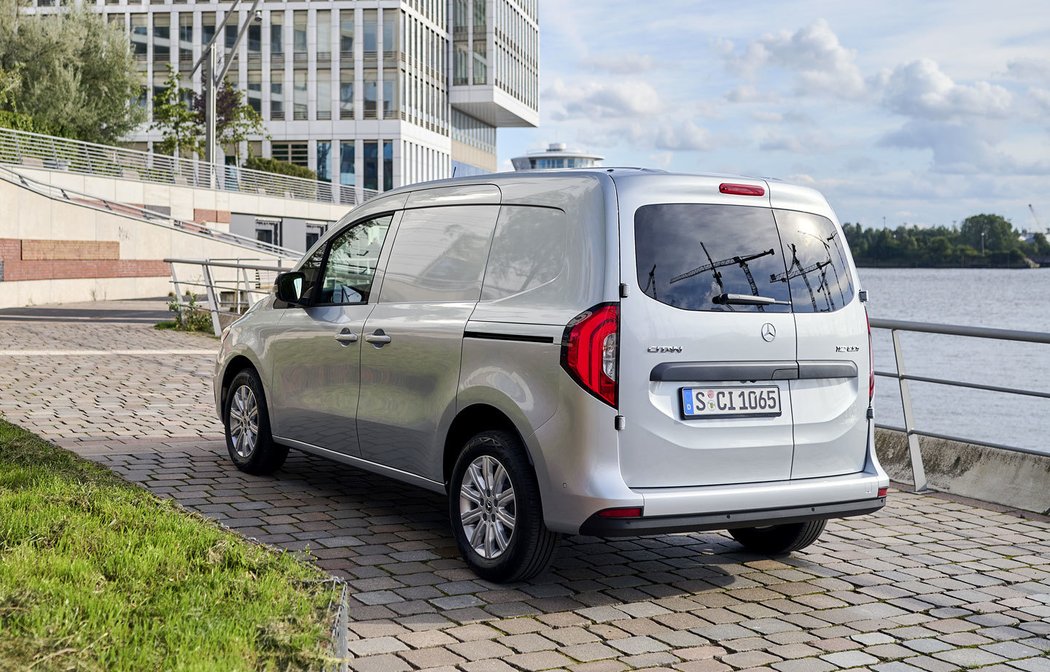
pixel 289 288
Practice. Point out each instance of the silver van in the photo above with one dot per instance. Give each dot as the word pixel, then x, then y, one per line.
pixel 601 352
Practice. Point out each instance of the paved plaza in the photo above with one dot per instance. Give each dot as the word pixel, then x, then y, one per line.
pixel 928 583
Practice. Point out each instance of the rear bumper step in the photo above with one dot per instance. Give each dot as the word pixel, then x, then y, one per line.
pixel 596 526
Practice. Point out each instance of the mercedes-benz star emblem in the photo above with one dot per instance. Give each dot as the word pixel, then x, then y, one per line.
pixel 769 332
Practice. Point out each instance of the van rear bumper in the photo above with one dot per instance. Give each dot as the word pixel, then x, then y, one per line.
pixel 597 526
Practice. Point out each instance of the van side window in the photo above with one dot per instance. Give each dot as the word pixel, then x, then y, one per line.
pixel 815 253
pixel 528 251
pixel 439 254
pixel 688 254
pixel 351 264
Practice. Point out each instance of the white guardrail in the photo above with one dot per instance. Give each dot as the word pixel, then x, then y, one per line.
pixel 142 214
pixel 32 150
pixel 900 374
pixel 230 286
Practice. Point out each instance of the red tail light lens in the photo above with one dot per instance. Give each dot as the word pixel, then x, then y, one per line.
pixel 628 512
pixel 741 189
pixel 590 350
pixel 871 361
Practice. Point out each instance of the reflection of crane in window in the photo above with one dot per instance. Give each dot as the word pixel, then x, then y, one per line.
pixel 803 272
pixel 713 266
pixel 834 237
pixel 652 282
pixel 823 272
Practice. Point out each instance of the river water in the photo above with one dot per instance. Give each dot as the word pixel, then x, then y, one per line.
pixel 1004 299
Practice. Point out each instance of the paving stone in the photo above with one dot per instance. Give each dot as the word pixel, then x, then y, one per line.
pixel 925 584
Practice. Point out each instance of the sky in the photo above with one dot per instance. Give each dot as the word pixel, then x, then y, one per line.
pixel 917 113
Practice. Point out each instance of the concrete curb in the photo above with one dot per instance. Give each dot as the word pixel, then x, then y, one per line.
pixel 1014 480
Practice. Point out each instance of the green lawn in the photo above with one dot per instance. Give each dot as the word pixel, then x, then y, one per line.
pixel 99 574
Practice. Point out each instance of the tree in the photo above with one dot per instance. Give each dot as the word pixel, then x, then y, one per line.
pixel 999 234
pixel 175 120
pixel 75 73
pixel 235 119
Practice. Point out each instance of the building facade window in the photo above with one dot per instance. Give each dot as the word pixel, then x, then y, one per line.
pixel 276 34
pixel 324 161
pixel 277 94
pixel 346 93
pixel 323 24
pixel 161 38
pixel 300 109
pixel 388 165
pixel 346 34
pixel 324 95
pixel 371 164
pixel 346 163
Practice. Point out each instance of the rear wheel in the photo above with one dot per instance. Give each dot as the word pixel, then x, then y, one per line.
pixel 779 539
pixel 494 507
pixel 248 438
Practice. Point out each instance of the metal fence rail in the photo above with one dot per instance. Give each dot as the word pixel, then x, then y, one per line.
pixel 230 286
pixel 903 378
pixel 142 214
pixel 32 150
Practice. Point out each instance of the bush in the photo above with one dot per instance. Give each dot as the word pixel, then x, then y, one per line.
pixel 279 167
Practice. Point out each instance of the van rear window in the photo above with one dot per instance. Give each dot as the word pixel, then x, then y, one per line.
pixel 816 255
pixel 688 255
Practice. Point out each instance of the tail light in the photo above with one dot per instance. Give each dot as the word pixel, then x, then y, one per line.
pixel 590 350
pixel 871 361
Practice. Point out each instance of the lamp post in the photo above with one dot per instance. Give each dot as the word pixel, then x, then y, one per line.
pixel 213 75
pixel 982 242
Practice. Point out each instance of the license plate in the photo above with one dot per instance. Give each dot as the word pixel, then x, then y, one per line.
pixel 720 402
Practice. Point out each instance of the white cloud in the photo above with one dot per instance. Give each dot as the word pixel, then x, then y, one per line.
pixel 820 62
pixel 961 148
pixel 921 89
pixel 677 136
pixel 1029 69
pixel 798 143
pixel 1041 98
pixel 601 100
pixel 620 62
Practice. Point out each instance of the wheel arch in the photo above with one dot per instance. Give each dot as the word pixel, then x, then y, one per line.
pixel 471 420
pixel 237 363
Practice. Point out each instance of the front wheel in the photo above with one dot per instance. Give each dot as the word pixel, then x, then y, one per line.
pixel 247 425
pixel 779 539
pixel 494 507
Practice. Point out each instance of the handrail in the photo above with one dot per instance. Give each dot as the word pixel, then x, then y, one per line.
pixel 33 150
pixel 903 378
pixel 141 214
pixel 242 289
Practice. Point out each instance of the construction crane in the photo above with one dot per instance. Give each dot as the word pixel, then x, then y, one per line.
pixel 823 273
pixel 802 273
pixel 652 282
pixel 731 261
pixel 1038 225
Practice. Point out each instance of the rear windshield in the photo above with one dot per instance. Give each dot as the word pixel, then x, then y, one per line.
pixel 816 257
pixel 690 254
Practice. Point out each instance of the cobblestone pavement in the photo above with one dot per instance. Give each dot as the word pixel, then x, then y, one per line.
pixel 926 584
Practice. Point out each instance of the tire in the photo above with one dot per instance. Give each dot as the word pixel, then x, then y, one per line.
pixel 247 425
pixel 779 539
pixel 500 539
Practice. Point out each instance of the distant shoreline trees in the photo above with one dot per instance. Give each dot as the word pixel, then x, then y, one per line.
pixel 981 241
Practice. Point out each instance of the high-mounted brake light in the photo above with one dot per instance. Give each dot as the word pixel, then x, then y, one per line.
pixel 590 350
pixel 741 189
pixel 871 361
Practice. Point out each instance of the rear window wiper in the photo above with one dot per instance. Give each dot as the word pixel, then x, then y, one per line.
pixel 747 300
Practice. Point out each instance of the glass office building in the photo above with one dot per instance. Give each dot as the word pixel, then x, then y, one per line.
pixel 368 93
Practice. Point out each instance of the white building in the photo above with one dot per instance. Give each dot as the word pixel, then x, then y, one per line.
pixel 556 156
pixel 370 94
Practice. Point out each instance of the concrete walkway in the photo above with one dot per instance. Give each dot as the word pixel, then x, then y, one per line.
pixel 926 584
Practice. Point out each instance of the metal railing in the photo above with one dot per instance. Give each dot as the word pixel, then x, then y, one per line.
pixel 230 286
pixel 903 378
pixel 32 150
pixel 142 214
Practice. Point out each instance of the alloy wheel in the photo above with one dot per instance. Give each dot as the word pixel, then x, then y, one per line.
pixel 487 507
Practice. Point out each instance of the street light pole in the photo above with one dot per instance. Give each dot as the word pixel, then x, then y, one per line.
pixel 212 75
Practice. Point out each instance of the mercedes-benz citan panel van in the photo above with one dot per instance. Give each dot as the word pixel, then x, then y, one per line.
pixel 601 352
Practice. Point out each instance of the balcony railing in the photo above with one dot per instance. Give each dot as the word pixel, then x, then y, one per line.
pixel 31 150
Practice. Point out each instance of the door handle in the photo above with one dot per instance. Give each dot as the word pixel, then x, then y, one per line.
pixel 378 338
pixel 346 337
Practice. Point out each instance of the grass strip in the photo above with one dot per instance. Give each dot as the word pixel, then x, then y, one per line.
pixel 100 574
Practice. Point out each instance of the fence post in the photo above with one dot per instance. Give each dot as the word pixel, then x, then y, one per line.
pixel 918 471
pixel 213 302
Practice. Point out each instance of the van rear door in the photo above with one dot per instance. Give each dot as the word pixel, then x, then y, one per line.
pixel 707 337
pixel 831 396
